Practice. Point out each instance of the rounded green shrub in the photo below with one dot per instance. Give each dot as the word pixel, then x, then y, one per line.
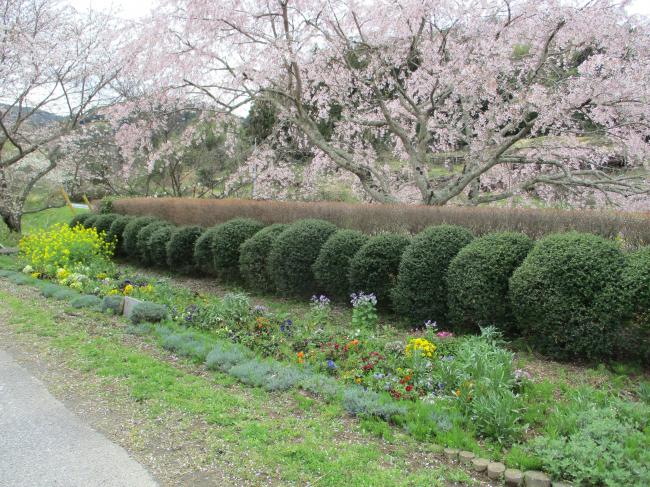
pixel 373 269
pixel 130 234
pixel 253 258
pixel 146 312
pixel 477 280
pixel 157 245
pixel 565 295
pixel 116 232
pixel 103 222
pixel 142 242
pixel 293 254
pixel 180 249
pixel 79 219
pixel 91 220
pixel 333 263
pixel 203 259
pixel 634 338
pixel 421 290
pixel 87 301
pixel 226 241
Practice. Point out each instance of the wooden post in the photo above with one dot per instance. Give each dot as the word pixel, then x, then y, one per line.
pixel 67 201
pixel 86 201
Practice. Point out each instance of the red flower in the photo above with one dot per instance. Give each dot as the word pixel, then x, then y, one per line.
pixel 409 388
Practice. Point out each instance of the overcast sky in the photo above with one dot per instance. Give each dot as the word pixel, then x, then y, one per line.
pixel 137 8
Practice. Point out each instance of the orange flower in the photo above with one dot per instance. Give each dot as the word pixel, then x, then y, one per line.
pixel 301 357
pixel 354 342
pixel 457 392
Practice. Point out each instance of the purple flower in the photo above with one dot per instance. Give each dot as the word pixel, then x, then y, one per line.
pixel 331 364
pixel 320 301
pixel 430 325
pixel 285 326
pixel 362 299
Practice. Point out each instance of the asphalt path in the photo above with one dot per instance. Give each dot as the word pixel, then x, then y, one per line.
pixel 42 444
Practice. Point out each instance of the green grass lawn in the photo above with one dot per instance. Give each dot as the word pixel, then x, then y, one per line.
pixel 35 221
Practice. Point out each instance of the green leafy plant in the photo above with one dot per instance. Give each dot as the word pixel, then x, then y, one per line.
pixel 477 280
pixel 253 258
pixel 421 290
pixel 364 310
pixel 333 263
pixel 373 269
pixel 228 238
pixel 634 338
pixel 293 254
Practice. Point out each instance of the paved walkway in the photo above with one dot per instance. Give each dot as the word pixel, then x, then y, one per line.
pixel 42 444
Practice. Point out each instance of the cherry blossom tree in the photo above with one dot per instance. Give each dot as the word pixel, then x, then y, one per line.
pixel 472 101
pixel 53 60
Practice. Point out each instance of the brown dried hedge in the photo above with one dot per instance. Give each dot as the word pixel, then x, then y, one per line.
pixel 634 227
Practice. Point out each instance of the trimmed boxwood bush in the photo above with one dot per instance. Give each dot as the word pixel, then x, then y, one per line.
pixel 293 254
pixel 180 249
pixel 157 245
pixel 253 258
pixel 90 221
pixel 203 252
pixel 226 241
pixel 421 290
pixel 116 232
pixel 79 219
pixel 142 242
pixel 333 263
pixel 634 339
pixel 130 234
pixel 103 222
pixel 566 296
pixel 477 280
pixel 373 269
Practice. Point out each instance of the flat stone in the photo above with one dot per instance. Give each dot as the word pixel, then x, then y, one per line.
pixel 466 457
pixel 480 464
pixel 513 477
pixel 129 304
pixel 495 470
pixel 561 484
pixel 533 478
pixel 451 453
pixel 8 250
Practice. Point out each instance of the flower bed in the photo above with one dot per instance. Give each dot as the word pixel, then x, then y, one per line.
pixel 464 392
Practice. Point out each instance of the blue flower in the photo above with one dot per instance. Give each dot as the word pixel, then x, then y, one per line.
pixel 331 364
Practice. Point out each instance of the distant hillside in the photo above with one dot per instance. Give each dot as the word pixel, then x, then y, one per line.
pixel 38 118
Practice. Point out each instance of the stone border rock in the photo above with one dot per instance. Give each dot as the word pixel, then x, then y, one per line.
pixel 498 471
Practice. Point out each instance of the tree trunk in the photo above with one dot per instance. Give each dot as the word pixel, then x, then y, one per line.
pixel 12 219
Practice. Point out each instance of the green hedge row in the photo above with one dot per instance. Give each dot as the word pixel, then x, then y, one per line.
pixel 572 295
